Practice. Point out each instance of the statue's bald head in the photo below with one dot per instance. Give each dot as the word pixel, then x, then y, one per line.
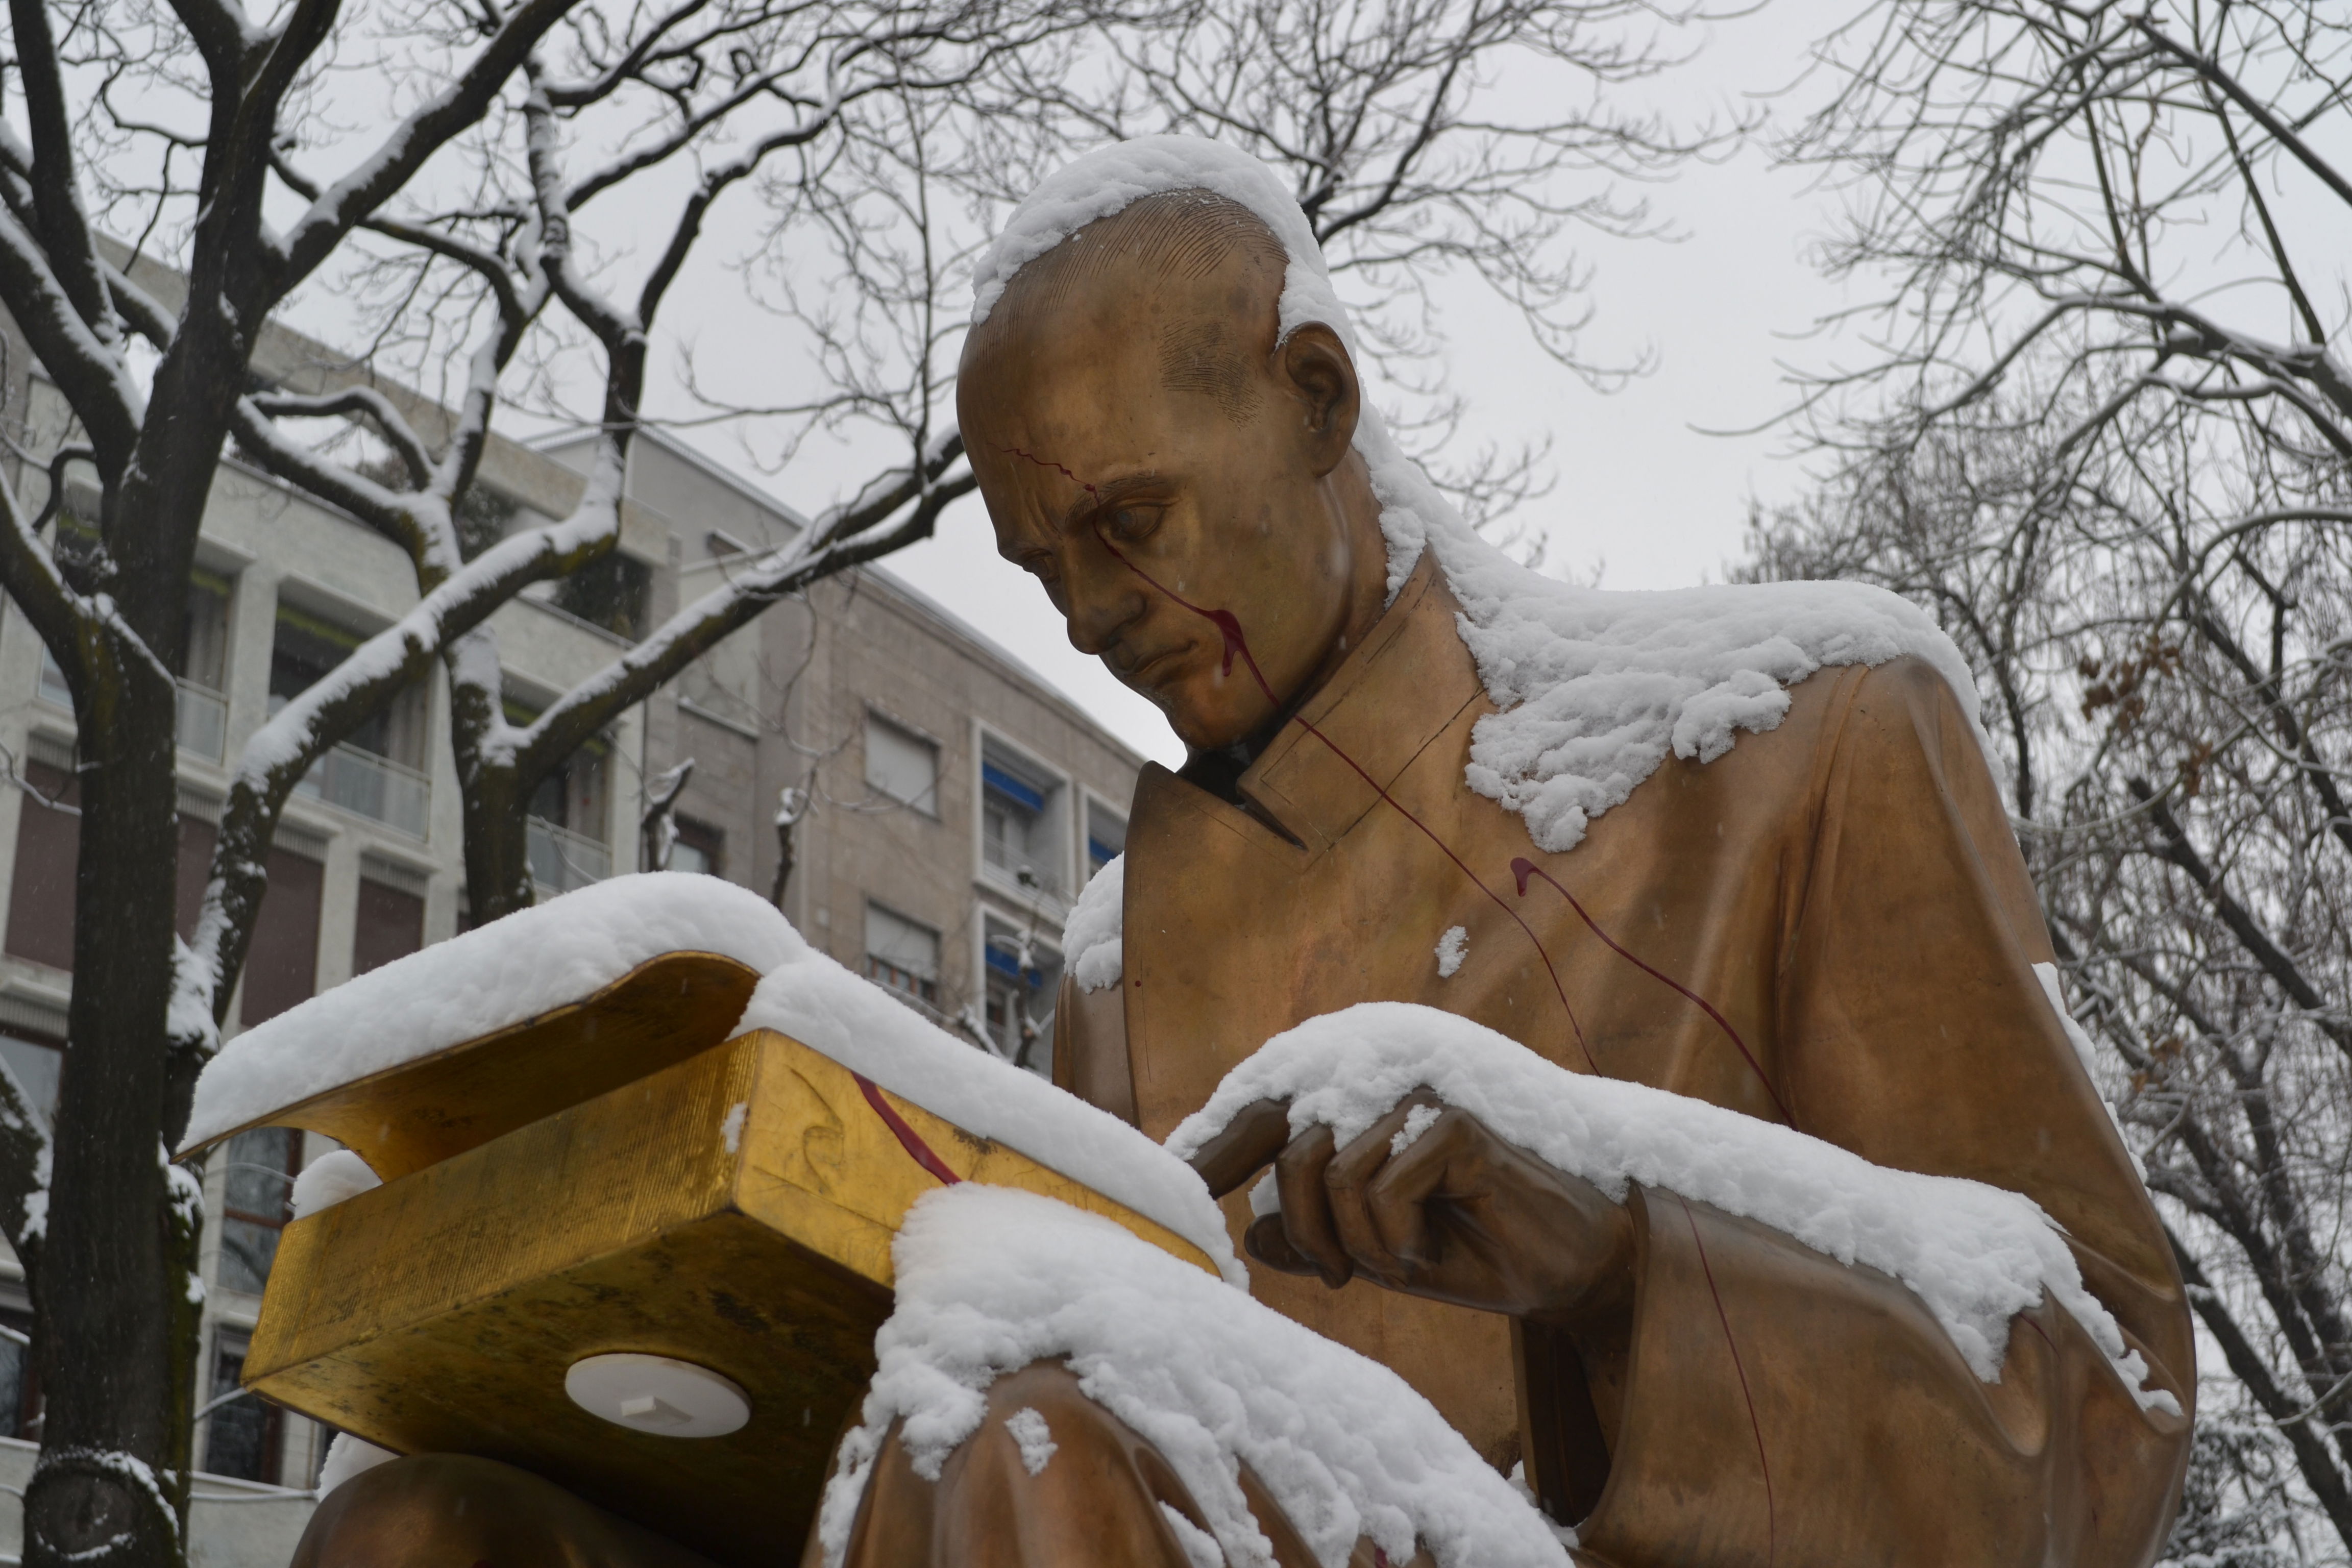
pixel 1200 272
pixel 1147 447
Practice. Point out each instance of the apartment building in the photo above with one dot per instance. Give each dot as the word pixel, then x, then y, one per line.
pixel 941 805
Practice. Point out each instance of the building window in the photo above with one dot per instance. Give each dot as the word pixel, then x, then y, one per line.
pixel 307 649
pixel 203 716
pixel 1106 837
pixel 1023 979
pixel 611 593
pixel 1020 821
pixel 377 772
pixel 390 924
pixel 35 1061
pixel 281 965
pixel 902 765
pixel 41 885
pixel 257 1204
pixel 699 847
pixel 567 837
pixel 243 1436
pixel 20 1398
pixel 901 955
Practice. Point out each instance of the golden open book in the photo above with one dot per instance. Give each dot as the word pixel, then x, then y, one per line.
pixel 619 1179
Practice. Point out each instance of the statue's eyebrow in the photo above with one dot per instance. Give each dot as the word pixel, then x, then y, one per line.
pixel 1110 493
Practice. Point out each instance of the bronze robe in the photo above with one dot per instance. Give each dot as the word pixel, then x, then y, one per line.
pixel 1846 890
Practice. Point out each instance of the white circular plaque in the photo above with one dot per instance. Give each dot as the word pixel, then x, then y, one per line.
pixel 655 1394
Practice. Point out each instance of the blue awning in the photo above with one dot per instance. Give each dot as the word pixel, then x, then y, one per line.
pixel 1019 791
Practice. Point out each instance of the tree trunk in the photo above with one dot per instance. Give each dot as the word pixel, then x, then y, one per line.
pixel 498 846
pixel 110 1484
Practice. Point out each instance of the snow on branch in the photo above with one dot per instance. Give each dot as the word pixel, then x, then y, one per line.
pixel 354 400
pixel 847 536
pixel 354 198
pixel 89 371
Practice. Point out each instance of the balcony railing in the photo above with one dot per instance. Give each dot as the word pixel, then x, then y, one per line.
pixel 368 786
pixel 203 721
pixel 561 859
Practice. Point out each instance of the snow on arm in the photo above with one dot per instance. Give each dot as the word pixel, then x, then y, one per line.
pixel 549 956
pixel 1595 689
pixel 990 1281
pixel 857 1024
pixel 1974 1255
pixel 1092 937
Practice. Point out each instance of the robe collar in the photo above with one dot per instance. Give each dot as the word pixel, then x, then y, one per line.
pixel 1402 688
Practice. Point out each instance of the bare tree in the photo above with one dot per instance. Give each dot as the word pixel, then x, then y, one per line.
pixel 2100 429
pixel 172 121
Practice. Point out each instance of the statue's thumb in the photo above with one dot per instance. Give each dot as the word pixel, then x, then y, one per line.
pixel 1247 1145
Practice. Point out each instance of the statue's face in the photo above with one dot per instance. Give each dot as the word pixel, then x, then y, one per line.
pixel 1154 421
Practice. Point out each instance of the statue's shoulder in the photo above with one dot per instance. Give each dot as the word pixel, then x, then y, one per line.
pixel 1595 690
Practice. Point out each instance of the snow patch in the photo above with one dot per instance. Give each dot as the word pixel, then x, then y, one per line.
pixel 1451 948
pixel 1092 936
pixel 1595 689
pixel 991 1280
pixel 329 1180
pixel 1028 1428
pixel 1200 1547
pixel 1974 1253
pixel 815 1001
pixel 1417 1120
pixel 346 1456
pixel 534 960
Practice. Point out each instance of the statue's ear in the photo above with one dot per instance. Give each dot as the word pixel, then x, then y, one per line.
pixel 1318 367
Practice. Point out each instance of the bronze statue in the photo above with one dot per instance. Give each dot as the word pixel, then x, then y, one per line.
pixel 1830 926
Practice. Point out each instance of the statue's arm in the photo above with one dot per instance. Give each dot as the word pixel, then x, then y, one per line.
pixel 1090 1048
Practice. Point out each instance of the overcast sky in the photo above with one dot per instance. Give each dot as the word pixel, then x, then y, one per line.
pixel 1644 494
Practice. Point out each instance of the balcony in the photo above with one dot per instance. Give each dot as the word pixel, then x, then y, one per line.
pixel 561 859
pixel 367 785
pixel 203 721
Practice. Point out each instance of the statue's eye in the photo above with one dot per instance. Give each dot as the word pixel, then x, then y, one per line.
pixel 1128 523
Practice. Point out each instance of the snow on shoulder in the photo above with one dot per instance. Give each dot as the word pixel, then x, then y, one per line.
pixel 990 1281
pixel 1595 689
pixel 1974 1253
pixel 535 959
pixel 1092 938
pixel 826 1007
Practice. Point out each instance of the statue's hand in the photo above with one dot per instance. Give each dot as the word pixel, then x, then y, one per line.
pixel 1459 1216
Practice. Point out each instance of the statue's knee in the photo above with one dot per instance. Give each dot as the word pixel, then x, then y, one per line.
pixel 455 1511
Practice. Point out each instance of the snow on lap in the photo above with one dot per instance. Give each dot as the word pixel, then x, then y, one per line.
pixel 991 1280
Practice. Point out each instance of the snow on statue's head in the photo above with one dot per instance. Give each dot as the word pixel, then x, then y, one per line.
pixel 1161 400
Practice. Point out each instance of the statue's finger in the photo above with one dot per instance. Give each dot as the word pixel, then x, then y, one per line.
pixel 1249 1141
pixel 1266 1242
pixel 1351 1171
pixel 1396 1200
pixel 1299 1173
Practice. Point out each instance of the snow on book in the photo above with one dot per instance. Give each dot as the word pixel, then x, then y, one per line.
pixel 643 1154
